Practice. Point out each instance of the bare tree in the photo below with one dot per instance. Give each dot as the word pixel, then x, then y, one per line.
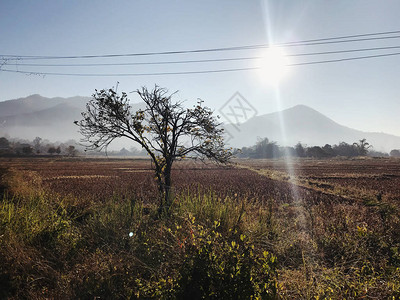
pixel 165 129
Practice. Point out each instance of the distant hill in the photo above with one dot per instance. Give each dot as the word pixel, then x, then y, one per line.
pixel 48 118
pixel 306 125
pixel 52 119
pixel 36 103
pixel 35 115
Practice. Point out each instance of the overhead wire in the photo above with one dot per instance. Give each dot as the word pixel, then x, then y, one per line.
pixel 321 41
pixel 206 60
pixel 198 72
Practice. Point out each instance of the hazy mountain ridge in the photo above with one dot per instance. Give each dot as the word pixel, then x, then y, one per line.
pixel 34 103
pixel 306 125
pixel 48 118
pixel 35 115
pixel 52 119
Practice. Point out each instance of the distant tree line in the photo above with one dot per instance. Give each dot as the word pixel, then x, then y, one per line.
pixel 264 148
pixel 38 146
pixel 395 153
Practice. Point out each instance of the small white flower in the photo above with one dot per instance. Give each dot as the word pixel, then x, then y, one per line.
pixel 131 234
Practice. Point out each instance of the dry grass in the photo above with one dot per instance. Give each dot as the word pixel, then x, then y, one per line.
pixel 59 238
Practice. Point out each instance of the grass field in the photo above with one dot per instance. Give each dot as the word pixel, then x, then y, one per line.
pixel 267 229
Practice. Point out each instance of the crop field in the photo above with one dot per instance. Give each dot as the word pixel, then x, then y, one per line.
pixel 100 179
pixel 322 229
pixel 362 176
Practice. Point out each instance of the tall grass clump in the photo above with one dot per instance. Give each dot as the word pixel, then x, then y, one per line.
pixel 208 207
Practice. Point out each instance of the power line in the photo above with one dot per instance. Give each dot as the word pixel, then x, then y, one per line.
pixel 199 72
pixel 322 41
pixel 345 51
pixel 205 60
pixel 344 59
pixel 133 74
pixel 142 63
pixel 347 36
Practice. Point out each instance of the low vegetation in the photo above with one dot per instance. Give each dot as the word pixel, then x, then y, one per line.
pixel 230 232
pixel 265 148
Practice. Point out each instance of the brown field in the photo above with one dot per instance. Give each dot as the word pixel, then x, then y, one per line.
pixel 99 179
pixel 355 177
pixel 332 224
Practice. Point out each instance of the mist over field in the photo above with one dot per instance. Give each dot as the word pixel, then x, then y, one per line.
pixel 52 119
pixel 49 118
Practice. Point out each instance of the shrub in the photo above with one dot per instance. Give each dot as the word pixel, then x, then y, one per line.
pixel 212 265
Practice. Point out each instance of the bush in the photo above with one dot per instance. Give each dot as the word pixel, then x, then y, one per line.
pixel 211 264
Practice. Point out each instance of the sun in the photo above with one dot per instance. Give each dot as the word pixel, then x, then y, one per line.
pixel 273 65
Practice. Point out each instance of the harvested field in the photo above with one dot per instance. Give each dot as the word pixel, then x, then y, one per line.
pixel 324 228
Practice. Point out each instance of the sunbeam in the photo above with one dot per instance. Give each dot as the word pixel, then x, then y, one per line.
pixel 277 61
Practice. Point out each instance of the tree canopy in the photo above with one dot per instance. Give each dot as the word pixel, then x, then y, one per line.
pixel 165 129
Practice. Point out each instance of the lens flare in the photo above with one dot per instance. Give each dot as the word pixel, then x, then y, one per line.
pixel 273 65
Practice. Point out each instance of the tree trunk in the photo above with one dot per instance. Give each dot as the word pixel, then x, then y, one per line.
pixel 167 187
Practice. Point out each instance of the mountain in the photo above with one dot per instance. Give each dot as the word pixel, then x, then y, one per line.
pixel 306 125
pixel 36 103
pixel 48 118
pixel 35 115
pixel 52 119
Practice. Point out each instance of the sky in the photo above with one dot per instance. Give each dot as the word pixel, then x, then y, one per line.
pixel 362 93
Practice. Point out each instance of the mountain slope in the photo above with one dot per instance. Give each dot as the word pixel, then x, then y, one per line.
pixel 306 125
pixel 36 103
pixel 48 118
pixel 52 119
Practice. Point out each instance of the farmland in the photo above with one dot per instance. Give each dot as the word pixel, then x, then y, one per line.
pixel 321 228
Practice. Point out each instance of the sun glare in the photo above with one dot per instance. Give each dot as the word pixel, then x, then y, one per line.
pixel 273 65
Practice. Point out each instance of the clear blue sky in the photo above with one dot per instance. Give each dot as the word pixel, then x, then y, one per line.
pixel 363 94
